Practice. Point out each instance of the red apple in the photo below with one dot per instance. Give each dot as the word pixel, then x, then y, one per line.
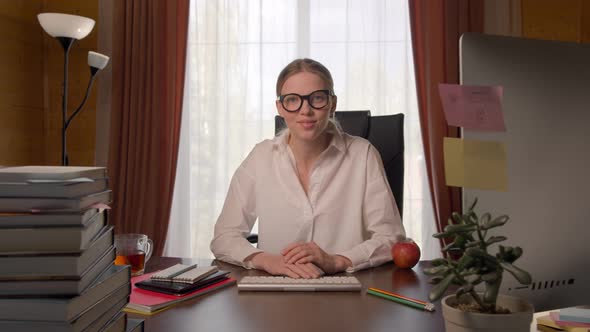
pixel 405 253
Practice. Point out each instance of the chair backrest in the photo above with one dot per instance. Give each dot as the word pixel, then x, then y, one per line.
pixel 386 133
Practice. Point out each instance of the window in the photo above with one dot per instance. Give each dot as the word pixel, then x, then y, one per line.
pixel 236 50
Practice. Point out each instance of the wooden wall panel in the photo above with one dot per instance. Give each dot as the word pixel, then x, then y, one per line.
pixel 31 72
pixel 503 17
pixel 585 21
pixel 104 85
pixel 21 84
pixel 553 19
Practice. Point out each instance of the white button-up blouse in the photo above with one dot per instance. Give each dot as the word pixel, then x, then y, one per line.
pixel 349 209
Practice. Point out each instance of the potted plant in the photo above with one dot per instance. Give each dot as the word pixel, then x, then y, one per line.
pixel 468 263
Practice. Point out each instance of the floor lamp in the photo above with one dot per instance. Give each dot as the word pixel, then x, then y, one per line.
pixel 67 29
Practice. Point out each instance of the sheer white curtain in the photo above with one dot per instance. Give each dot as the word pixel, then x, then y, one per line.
pixel 237 48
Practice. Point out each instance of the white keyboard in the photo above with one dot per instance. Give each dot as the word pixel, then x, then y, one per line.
pixel 272 283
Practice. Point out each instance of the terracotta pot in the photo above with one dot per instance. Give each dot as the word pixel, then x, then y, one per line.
pixel 519 320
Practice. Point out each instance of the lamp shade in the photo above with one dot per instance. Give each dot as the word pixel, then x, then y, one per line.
pixel 66 25
pixel 97 60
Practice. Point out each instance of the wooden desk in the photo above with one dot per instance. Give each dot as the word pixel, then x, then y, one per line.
pixel 230 310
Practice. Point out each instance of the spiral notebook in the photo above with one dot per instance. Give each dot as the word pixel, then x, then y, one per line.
pixel 178 288
pixel 188 274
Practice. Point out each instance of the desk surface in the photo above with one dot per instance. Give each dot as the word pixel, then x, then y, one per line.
pixel 230 310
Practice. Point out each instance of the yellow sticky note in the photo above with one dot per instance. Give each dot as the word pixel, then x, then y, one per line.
pixel 475 164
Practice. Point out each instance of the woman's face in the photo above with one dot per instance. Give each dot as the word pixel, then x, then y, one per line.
pixel 308 123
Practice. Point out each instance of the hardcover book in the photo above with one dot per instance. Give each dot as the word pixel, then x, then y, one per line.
pixel 44 265
pixel 65 189
pixel 545 323
pixel 42 204
pixel 56 286
pixel 27 173
pixel 555 316
pixel 92 319
pixel 47 218
pixel 117 324
pixel 577 314
pixel 134 325
pixel 51 239
pixel 65 308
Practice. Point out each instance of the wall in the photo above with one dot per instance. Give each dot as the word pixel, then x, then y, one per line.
pixel 564 20
pixel 503 17
pixel 31 72
pixel 21 84
pixel 103 88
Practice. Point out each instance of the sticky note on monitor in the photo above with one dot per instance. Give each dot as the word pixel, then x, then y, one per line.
pixel 473 107
pixel 475 164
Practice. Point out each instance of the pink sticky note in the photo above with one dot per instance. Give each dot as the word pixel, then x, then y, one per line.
pixel 473 107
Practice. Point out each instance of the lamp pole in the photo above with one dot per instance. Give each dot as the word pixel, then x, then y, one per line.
pixel 67 29
pixel 66 43
pixel 93 71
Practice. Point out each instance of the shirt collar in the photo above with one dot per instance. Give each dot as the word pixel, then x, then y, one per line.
pixel 337 141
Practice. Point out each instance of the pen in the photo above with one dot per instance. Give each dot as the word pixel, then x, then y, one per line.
pixel 409 302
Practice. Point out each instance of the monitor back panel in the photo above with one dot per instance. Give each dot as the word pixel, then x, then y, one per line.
pixel 546 108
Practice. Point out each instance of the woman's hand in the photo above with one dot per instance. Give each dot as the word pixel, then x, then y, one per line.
pixel 276 265
pixel 310 252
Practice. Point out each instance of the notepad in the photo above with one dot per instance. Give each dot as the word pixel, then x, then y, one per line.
pixel 179 288
pixel 188 274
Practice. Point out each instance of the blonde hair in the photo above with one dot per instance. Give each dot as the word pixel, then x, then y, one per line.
pixel 305 65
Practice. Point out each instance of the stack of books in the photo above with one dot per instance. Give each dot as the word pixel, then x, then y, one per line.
pixel 57 253
pixel 157 291
pixel 568 319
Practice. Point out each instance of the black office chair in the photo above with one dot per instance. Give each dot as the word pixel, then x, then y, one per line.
pixel 385 132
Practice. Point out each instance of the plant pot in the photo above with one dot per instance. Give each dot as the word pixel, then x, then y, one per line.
pixel 519 320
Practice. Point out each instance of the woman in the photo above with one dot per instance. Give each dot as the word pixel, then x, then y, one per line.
pixel 321 196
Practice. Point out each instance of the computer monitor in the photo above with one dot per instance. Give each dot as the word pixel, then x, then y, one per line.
pixel 546 107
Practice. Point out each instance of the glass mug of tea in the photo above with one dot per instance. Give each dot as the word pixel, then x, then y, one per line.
pixel 134 250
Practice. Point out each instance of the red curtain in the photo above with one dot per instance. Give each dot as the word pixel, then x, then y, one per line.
pixel 149 55
pixel 436 26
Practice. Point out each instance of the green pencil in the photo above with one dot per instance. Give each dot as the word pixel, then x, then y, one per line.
pixel 398 300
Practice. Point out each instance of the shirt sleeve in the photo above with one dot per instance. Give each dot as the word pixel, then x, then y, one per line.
pixel 237 217
pixel 381 219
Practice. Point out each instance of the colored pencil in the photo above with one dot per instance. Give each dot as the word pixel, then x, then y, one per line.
pixel 423 305
pixel 428 306
pixel 398 295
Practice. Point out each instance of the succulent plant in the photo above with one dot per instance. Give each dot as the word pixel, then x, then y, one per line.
pixel 467 261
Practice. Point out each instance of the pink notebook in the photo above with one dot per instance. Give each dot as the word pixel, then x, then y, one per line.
pixel 147 302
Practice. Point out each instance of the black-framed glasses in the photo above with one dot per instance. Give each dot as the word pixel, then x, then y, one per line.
pixel 318 99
